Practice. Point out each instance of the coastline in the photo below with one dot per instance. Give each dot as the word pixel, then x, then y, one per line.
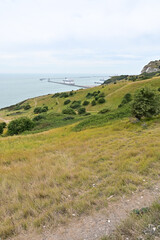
pixel 16 88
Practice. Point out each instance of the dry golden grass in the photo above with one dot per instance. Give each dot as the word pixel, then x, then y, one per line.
pixel 47 177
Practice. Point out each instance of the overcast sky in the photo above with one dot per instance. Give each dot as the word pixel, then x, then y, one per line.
pixel 78 36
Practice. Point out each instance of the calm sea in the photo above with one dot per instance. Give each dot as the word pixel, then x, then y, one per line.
pixel 18 87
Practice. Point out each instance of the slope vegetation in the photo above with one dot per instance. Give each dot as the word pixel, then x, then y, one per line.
pixel 50 177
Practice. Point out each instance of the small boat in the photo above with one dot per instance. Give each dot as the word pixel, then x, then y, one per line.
pixel 69 81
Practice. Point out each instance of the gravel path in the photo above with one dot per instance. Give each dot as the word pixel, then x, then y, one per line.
pixel 4 120
pixel 102 223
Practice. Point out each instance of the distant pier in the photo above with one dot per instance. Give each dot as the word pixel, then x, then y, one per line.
pixel 63 83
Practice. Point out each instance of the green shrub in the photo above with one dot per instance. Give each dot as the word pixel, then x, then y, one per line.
pixel 40 109
pixel 37 110
pixel 93 103
pixel 94 94
pixel 38 117
pixel 101 100
pixel 89 95
pixel 75 104
pixel 1 129
pixel 146 103
pixel 20 125
pixel 85 103
pixel 71 93
pixel 105 110
pixel 69 111
pixel 18 107
pixel 27 106
pixel 101 95
pixel 56 95
pixel 126 99
pixel 61 95
pixel 3 124
pixel 67 101
pixel 64 95
pixel 44 109
pixel 81 110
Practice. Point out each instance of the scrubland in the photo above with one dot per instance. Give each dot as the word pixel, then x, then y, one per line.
pixel 51 177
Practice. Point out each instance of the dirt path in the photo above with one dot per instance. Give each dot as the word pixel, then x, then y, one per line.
pixel 117 90
pixel 4 120
pixel 102 223
pixel 35 103
pixel 57 101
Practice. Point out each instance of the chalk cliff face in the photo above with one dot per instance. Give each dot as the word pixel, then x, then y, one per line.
pixel 153 66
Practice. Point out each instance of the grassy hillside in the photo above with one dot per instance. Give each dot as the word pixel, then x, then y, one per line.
pixel 54 176
pixel 113 95
pixel 45 178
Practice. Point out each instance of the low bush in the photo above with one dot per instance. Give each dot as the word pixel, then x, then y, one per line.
pixel 27 106
pixel 101 95
pixel 67 101
pixel 44 109
pixel 38 117
pixel 89 95
pixel 75 104
pixel 126 99
pixel 85 103
pixel 37 110
pixel 1 129
pixel 40 109
pixel 93 103
pixel 101 100
pixel 55 95
pixel 61 95
pixel 146 103
pixel 20 125
pixel 69 111
pixel 64 95
pixel 94 94
pixel 72 93
pixel 105 110
pixel 18 107
pixel 2 126
pixel 96 98
pixel 81 110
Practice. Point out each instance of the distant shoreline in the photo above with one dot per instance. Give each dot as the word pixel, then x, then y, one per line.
pixel 16 88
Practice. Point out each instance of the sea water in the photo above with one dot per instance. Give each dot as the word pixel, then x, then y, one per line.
pixel 15 88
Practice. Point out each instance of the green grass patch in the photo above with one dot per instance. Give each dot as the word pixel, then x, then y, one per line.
pixel 103 119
